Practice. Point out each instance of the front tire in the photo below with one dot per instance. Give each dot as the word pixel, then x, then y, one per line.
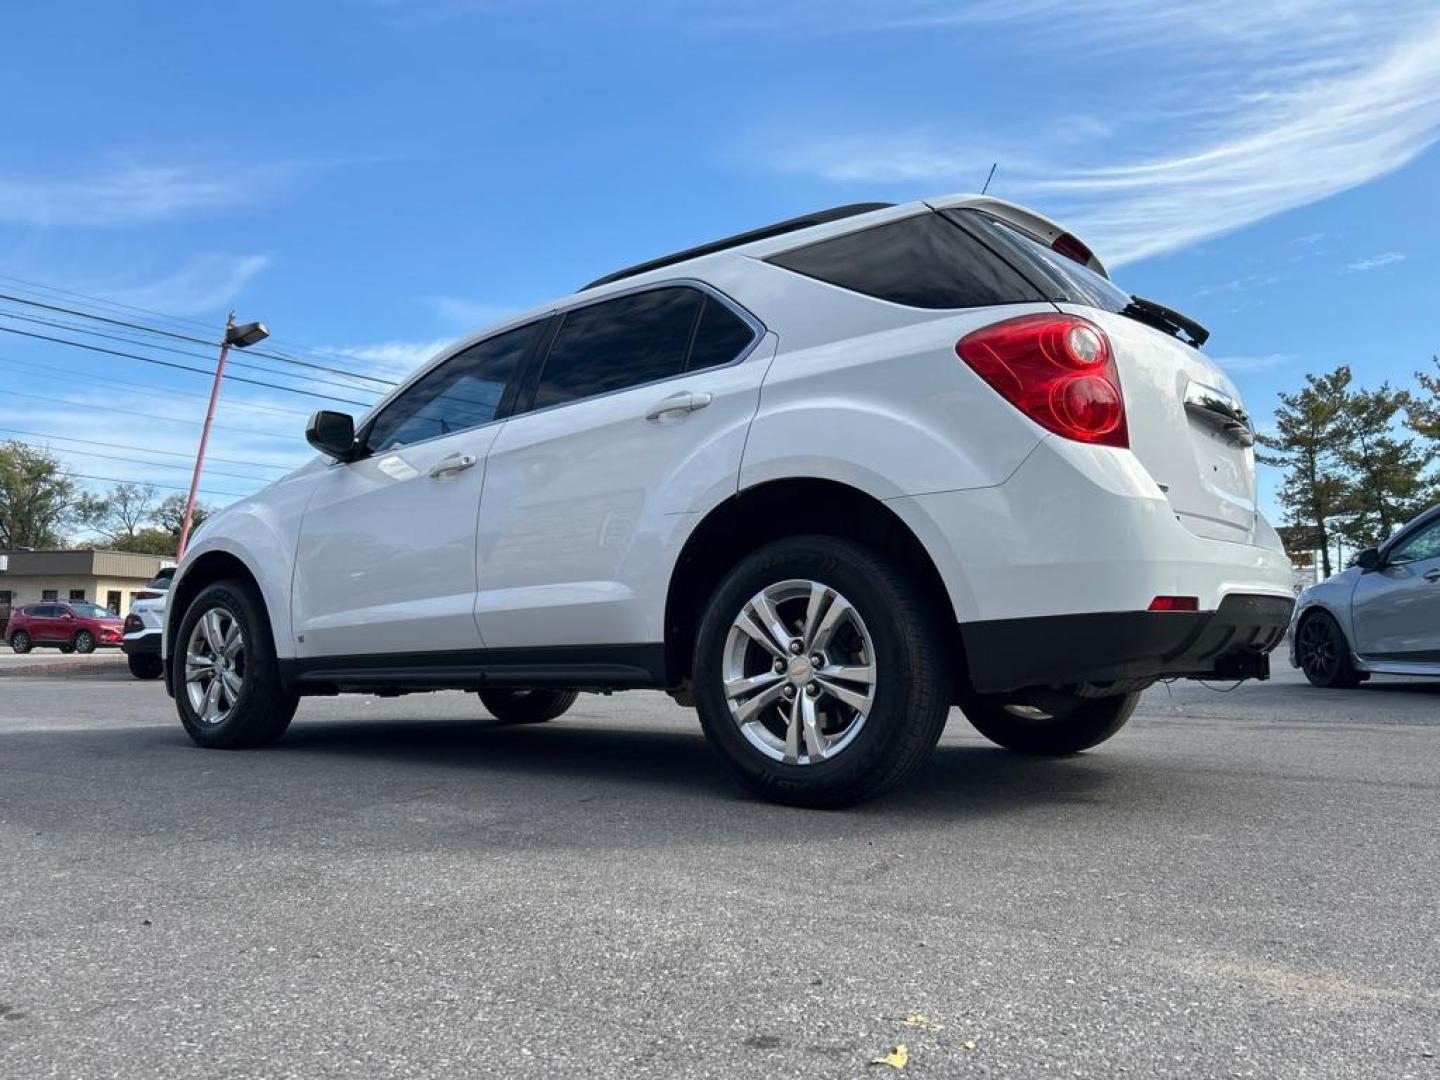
pixel 1324 654
pixel 145 665
pixel 527 706
pixel 820 673
pixel 225 675
pixel 1049 723
pixel 84 642
pixel 20 641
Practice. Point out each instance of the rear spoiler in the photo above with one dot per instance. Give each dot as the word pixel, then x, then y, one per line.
pixel 1054 236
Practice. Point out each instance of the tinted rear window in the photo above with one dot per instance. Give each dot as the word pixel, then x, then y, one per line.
pixel 1061 278
pixel 719 338
pixel 923 261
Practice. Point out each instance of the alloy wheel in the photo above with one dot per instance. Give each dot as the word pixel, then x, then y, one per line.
pixel 215 666
pixel 1318 651
pixel 799 672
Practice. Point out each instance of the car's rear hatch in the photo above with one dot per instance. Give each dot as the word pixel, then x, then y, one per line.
pixel 1186 423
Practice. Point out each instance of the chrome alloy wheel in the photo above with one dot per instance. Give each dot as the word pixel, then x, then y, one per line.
pixel 215 666
pixel 799 672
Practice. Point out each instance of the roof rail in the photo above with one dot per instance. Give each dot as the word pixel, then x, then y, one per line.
pixel 804 221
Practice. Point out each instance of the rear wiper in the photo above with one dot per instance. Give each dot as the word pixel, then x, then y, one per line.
pixel 1163 318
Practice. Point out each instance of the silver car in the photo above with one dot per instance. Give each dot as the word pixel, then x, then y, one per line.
pixel 1379 617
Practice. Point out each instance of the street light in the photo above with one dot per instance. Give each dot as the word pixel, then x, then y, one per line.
pixel 241 337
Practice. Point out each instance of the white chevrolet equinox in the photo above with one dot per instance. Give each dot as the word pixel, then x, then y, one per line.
pixel 823 480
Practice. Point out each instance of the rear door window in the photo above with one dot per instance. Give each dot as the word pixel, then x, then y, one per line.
pixel 720 336
pixel 923 261
pixel 628 341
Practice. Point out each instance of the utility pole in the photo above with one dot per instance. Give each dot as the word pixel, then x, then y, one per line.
pixel 241 337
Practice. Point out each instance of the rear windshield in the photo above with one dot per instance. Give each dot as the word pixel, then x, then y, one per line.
pixel 161 582
pixel 922 261
pixel 1061 278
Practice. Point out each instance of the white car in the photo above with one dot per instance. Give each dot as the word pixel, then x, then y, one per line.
pixel 144 627
pixel 824 480
pixel 1380 616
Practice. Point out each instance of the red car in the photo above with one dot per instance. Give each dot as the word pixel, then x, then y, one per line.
pixel 72 627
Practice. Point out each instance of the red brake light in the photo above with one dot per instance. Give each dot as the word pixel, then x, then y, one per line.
pixel 1072 248
pixel 1058 370
pixel 1175 603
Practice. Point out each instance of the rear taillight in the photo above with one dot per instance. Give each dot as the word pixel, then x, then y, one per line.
pixel 1058 370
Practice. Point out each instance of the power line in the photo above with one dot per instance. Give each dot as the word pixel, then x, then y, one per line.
pixel 167 487
pixel 177 320
pixel 146 450
pixel 182 367
pixel 90 406
pixel 152 390
pixel 191 338
pixel 151 464
pixel 59 324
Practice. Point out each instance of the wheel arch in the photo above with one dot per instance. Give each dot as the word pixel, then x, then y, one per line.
pixel 765 512
pixel 208 568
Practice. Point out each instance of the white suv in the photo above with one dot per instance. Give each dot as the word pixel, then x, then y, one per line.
pixel 823 480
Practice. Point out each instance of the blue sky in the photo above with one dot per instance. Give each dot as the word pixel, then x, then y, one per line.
pixel 374 177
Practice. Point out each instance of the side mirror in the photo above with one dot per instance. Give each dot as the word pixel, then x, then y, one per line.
pixel 332 433
pixel 1369 559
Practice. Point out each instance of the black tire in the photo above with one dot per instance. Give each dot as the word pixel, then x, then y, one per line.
pixel 20 641
pixel 1324 654
pixel 264 707
pixel 1056 723
pixel 67 649
pixel 83 642
pixel 145 665
pixel 527 706
pixel 911 680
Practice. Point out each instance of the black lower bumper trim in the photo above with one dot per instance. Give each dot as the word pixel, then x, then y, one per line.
pixel 142 646
pixel 1232 642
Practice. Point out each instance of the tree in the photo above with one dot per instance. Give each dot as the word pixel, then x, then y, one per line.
pixel 1385 482
pixel 147 542
pixel 35 497
pixel 170 515
pixel 1308 427
pixel 1423 411
pixel 119 515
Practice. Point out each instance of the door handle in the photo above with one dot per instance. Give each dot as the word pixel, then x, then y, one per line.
pixel 677 404
pixel 1432 575
pixel 452 464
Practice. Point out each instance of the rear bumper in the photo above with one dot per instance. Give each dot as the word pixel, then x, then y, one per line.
pixel 143 643
pixel 1231 642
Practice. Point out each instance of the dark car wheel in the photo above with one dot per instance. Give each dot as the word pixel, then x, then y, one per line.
pixel 527 706
pixel 820 673
pixel 67 649
pixel 1324 654
pixel 20 641
pixel 145 665
pixel 1048 723
pixel 225 675
pixel 84 642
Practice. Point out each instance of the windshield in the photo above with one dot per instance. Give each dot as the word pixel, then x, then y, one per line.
pixel 161 582
pixel 92 611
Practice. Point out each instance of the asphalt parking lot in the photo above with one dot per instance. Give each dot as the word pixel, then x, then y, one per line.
pixel 1241 884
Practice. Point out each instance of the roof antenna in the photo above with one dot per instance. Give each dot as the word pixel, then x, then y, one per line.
pixel 986 188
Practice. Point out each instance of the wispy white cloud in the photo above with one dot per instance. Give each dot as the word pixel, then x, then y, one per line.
pixel 389 359
pixel 469 313
pixel 202 285
pixel 128 193
pixel 1385 258
pixel 1292 103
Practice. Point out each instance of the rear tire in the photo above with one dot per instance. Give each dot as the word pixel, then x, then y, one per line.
pixel 1051 723
pixel 848 693
pixel 20 641
pixel 1324 654
pixel 527 706
pixel 145 665
pixel 251 706
pixel 84 642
